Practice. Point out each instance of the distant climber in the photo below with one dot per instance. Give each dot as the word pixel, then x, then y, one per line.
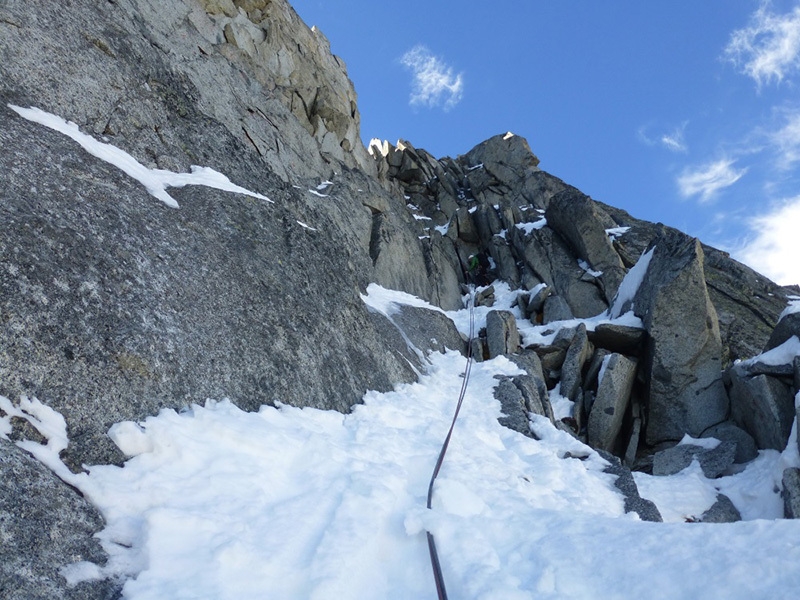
pixel 478 269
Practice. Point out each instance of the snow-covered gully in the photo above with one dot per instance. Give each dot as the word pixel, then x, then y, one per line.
pixel 215 502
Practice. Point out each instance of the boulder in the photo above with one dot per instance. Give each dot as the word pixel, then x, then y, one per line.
pixel 764 407
pixel 485 297
pixel 728 431
pixel 512 405
pixel 44 526
pixel 529 361
pixel 556 309
pixel 791 493
pixel 714 461
pixel 572 370
pixel 552 357
pixel 722 511
pixel 788 326
pixel 611 402
pixel 537 298
pixel 682 366
pixel 428 330
pixel 618 338
pixel 626 484
pixel 519 396
pixel 502 336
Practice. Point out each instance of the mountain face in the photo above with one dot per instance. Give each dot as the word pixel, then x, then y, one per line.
pixel 114 305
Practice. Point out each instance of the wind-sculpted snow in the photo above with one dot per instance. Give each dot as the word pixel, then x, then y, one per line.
pixel 155 180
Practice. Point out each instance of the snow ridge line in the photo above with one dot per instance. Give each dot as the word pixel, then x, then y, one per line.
pixel 437 569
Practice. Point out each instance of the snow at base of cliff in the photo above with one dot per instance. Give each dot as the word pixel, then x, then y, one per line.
pixel 215 503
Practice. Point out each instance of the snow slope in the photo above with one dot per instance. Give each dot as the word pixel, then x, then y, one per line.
pixel 216 503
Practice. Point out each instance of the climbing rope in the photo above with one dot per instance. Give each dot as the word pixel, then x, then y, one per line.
pixel 437 569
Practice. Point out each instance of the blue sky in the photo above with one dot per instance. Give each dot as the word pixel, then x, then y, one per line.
pixel 686 112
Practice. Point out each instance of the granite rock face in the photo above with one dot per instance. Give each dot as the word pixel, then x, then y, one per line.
pixel 44 525
pixel 683 357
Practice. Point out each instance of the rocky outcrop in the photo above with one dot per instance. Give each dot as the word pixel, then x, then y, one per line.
pixel 722 511
pixel 583 224
pixel 625 483
pixel 714 461
pixel 502 336
pixel 746 449
pixel 764 407
pixel 683 358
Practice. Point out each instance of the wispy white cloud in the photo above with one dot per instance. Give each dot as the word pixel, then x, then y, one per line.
pixel 775 247
pixel 434 83
pixel 786 140
pixel 769 47
pixel 708 179
pixel 674 140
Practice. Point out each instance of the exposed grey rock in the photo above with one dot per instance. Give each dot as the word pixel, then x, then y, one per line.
pixel 485 297
pixel 626 484
pixel 564 337
pixel 536 303
pixel 686 393
pixel 593 370
pixel 787 327
pixel 747 303
pixel 227 296
pixel 633 444
pixel 750 368
pixel 727 431
pixel 44 525
pixel 428 330
pixel 506 157
pixel 582 223
pixel 791 493
pixel 519 396
pixel 572 370
pixel 466 226
pixel 556 309
pixel 512 404
pixel 478 349
pixel 506 268
pixel 796 365
pixel 611 402
pixel 764 407
pixel 618 338
pixel 552 357
pixel 502 336
pixel 722 511
pixel 549 258
pixel 530 362
pixel 714 462
pixel 534 394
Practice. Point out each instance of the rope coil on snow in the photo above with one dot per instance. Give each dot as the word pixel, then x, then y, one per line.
pixel 437 569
